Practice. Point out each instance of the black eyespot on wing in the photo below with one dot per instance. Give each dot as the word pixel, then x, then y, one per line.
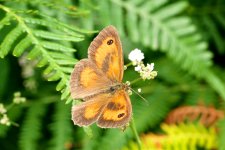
pixel 121 115
pixel 109 42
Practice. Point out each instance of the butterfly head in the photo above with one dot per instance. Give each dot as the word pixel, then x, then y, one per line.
pixel 119 86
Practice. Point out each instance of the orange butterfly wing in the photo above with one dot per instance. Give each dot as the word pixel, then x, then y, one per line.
pixel 107 109
pixel 117 112
pixel 88 112
pixel 87 80
pixel 106 52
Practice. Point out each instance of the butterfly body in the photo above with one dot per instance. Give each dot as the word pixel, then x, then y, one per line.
pixel 97 80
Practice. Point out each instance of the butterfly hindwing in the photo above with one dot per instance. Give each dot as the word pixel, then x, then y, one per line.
pixel 107 109
pixel 118 111
pixel 88 112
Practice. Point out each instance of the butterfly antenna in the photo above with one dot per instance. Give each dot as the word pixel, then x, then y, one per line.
pixel 140 95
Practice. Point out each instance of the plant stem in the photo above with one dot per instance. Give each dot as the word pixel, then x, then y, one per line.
pixel 135 80
pixel 129 64
pixel 15 124
pixel 10 106
pixel 133 127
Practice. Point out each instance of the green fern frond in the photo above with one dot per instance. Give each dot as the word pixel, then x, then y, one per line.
pixel 221 19
pixel 42 39
pixel 160 103
pixel 161 25
pixel 31 128
pixel 214 32
pixel 201 94
pixel 215 82
pixel 172 74
pixel 61 127
pixel 210 17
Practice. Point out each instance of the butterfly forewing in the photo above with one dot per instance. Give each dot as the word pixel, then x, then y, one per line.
pixel 106 52
pixel 87 79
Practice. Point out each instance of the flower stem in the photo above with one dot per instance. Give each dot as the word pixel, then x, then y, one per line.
pixel 129 64
pixel 10 106
pixel 133 127
pixel 14 124
pixel 135 80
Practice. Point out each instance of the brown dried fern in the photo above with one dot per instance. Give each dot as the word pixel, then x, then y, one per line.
pixel 206 115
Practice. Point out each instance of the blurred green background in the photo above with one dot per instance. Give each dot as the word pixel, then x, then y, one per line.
pixel 40 41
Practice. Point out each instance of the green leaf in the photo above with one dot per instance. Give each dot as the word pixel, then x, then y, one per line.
pixel 23 45
pixel 54 76
pixel 60 85
pixel 170 10
pixel 42 62
pixel 34 53
pixel 65 93
pixel 56 36
pixel 9 40
pixel 5 21
pixel 57 47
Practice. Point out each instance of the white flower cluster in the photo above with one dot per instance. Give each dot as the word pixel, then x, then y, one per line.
pixel 18 99
pixel 5 120
pixel 136 56
pixel 3 117
pixel 146 72
pixel 2 109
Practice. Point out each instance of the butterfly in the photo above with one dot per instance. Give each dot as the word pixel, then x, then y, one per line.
pixel 97 80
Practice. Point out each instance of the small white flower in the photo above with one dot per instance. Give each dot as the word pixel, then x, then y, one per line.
pixel 2 109
pixel 124 67
pixel 136 55
pixel 138 68
pixel 18 99
pixel 17 94
pixel 5 120
pixel 153 74
pixel 139 90
pixel 145 74
pixel 150 67
pixel 129 92
pixel 127 83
